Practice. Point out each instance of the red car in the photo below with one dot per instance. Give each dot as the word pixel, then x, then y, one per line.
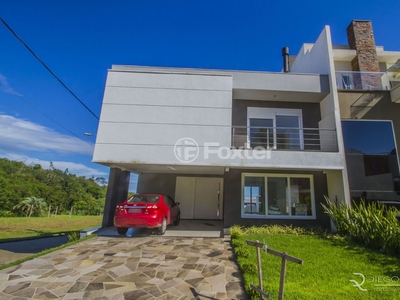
pixel 147 211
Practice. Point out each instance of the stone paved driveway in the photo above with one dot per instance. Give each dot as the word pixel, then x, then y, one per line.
pixel 129 268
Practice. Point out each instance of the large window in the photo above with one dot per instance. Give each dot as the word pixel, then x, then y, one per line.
pixel 275 128
pixel 371 158
pixel 278 196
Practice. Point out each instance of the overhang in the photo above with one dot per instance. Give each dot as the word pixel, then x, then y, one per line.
pixel 254 85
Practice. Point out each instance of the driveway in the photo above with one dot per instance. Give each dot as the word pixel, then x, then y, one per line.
pixel 148 267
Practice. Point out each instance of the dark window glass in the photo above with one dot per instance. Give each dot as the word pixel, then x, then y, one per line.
pixel 261 133
pixel 144 198
pixel 287 138
pixel 371 159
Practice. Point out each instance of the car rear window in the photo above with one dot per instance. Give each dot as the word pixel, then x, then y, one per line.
pixel 143 198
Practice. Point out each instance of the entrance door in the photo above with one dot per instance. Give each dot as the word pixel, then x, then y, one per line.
pixel 200 197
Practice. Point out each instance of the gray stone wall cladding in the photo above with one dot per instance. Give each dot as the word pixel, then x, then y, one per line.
pixel 232 198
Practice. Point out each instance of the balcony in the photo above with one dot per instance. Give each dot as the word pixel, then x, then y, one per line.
pixel 284 138
pixel 371 81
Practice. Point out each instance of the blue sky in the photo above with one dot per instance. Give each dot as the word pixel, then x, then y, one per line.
pixel 80 40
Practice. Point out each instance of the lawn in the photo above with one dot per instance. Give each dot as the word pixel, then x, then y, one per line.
pixel 328 266
pixel 12 228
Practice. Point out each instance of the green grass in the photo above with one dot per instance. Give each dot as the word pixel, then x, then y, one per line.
pixel 328 264
pixel 18 228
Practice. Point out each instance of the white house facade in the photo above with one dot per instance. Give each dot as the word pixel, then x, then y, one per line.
pixel 256 147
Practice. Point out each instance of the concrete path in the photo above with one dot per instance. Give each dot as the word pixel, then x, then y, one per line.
pixel 149 267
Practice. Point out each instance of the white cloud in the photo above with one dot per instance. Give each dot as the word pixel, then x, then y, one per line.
pixel 21 135
pixel 73 168
pixel 5 86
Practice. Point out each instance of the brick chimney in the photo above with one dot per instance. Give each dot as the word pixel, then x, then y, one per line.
pixel 361 38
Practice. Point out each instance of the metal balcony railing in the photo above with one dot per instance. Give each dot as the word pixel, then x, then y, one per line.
pixel 371 81
pixel 284 138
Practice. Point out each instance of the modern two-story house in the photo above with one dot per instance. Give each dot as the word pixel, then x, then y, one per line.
pixel 257 147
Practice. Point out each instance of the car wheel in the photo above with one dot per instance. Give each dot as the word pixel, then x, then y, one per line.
pixel 121 230
pixel 178 220
pixel 161 230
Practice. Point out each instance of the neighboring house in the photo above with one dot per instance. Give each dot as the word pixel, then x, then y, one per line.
pixel 257 147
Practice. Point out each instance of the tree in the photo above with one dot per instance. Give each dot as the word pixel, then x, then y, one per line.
pixel 57 188
pixel 31 205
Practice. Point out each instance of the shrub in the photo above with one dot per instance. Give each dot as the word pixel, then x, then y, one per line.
pixel 238 243
pixel 236 231
pixel 6 214
pixel 74 236
pixel 242 252
pixel 249 267
pixel 252 293
pixel 365 223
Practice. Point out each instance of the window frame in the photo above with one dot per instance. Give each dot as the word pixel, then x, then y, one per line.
pixel 271 113
pixel 284 175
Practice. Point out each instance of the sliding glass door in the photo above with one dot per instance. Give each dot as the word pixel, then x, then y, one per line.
pixel 275 128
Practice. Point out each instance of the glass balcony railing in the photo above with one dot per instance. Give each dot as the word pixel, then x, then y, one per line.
pixel 373 81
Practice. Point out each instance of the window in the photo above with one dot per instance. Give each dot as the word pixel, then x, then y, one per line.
pixel 254 195
pixel 275 128
pixel 278 196
pixel 371 159
pixel 143 198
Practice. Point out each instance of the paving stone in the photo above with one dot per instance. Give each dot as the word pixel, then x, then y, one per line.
pixel 13 277
pixel 25 293
pixel 134 295
pixel 78 287
pixel 46 295
pixel 14 288
pixel 154 291
pixel 94 286
pixel 194 282
pixel 129 268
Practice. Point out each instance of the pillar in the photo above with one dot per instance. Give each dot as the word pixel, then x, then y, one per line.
pixel 117 192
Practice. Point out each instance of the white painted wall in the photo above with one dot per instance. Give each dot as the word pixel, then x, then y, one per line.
pixel 145 113
pixel 319 58
pixel 343 66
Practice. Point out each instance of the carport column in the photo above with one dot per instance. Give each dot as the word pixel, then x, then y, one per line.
pixel 117 192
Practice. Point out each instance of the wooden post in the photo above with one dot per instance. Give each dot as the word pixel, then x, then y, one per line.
pixel 283 274
pixel 284 257
pixel 259 289
pixel 260 281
